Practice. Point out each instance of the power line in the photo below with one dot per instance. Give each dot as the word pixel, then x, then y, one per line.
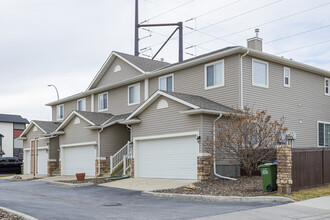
pixel 165 11
pixel 266 23
pixel 244 13
pixel 299 48
pixel 293 35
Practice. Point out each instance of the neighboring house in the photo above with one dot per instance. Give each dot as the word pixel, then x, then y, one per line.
pixel 167 111
pixel 38 136
pixel 11 127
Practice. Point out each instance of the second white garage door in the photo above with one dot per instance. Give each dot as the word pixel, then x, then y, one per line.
pixel 174 157
pixel 78 159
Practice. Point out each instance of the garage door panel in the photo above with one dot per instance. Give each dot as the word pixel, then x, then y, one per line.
pixel 78 159
pixel 168 158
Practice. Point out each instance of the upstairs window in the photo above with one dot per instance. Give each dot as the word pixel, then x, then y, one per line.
pixel 166 83
pixel 324 134
pixel 326 86
pixel 286 77
pixel 214 75
pixel 103 101
pixel 134 94
pixel 81 105
pixel 259 73
pixel 60 112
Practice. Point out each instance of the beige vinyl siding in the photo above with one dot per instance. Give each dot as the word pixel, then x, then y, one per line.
pixel 192 81
pixel 113 138
pixel 304 100
pixel 69 107
pixel 111 77
pixel 32 135
pixel 165 121
pixel 118 100
pixel 207 130
pixel 77 133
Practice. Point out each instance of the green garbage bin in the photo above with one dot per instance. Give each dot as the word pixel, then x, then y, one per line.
pixel 268 174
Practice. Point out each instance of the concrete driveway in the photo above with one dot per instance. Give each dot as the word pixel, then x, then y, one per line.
pixel 142 184
pixel 44 201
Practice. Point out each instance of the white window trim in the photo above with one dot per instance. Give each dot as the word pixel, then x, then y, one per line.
pixel 327 79
pixel 135 103
pixel 259 85
pixel 318 132
pixel 57 108
pixel 85 104
pixel 286 68
pixel 223 74
pixel 168 75
pixel 98 102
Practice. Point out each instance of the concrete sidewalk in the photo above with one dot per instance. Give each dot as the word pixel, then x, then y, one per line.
pixel 141 184
pixel 318 208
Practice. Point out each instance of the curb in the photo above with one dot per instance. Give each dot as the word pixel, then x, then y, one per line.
pixel 261 199
pixel 70 185
pixel 24 216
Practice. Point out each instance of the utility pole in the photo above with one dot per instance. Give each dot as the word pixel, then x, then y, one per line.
pixel 137 26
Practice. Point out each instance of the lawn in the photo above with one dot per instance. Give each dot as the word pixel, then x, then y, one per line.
pixel 307 193
pixel 5 175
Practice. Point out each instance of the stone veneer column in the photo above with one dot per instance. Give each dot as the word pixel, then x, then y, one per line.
pixel 59 168
pixel 203 167
pixel 284 169
pixel 102 166
pixel 52 165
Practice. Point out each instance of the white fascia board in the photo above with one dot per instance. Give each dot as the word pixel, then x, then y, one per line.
pixel 69 118
pixel 79 144
pixel 203 111
pixel 112 123
pixel 58 133
pixel 154 97
pixel 130 122
pixel 93 127
pixel 22 138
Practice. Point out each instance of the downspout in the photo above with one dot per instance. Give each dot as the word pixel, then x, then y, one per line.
pixel 241 83
pixel 99 152
pixel 214 158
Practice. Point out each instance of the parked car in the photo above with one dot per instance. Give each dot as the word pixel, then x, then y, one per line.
pixel 10 165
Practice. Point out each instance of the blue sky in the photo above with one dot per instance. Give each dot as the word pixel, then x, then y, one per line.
pixel 66 42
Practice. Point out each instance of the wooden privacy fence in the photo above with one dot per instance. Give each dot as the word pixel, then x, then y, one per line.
pixel 310 167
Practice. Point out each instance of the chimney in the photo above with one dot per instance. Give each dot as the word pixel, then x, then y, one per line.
pixel 255 43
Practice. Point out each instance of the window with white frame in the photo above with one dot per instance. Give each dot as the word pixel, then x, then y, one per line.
pixel 324 134
pixel 326 86
pixel 214 75
pixel 166 83
pixel 81 104
pixel 134 94
pixel 259 73
pixel 286 77
pixel 103 101
pixel 60 112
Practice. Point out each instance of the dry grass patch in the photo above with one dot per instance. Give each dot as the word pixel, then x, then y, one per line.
pixel 307 193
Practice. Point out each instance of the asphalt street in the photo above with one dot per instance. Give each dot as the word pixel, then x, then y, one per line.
pixel 45 201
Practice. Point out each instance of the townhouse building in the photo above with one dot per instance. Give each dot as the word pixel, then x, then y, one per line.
pixel 161 113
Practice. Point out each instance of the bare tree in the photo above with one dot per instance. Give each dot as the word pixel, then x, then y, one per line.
pixel 246 138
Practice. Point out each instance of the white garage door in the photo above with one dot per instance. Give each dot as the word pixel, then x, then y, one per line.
pixel 78 159
pixel 167 158
pixel 42 161
pixel 27 162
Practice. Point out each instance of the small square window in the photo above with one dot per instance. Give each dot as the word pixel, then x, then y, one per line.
pixel 103 101
pixel 259 73
pixel 214 75
pixel 166 83
pixel 134 94
pixel 81 104
pixel 286 77
pixel 60 112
